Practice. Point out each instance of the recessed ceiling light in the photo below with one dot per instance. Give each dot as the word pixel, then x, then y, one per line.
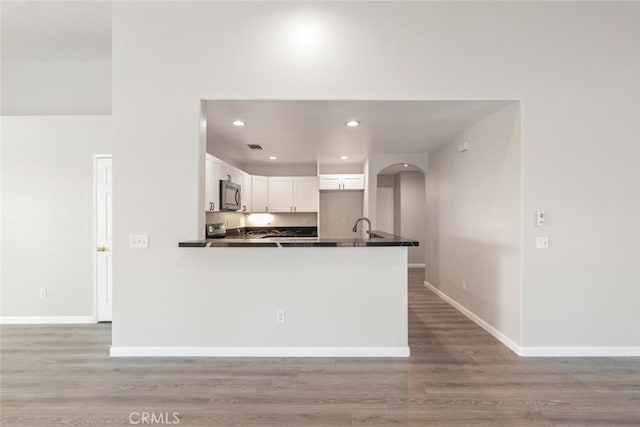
pixel 238 123
pixel 352 123
pixel 344 157
pixel 273 158
pixel 405 165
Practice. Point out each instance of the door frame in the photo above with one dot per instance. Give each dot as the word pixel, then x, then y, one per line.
pixel 94 240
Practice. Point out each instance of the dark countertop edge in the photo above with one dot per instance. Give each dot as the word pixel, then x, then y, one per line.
pixel 385 240
pixel 305 230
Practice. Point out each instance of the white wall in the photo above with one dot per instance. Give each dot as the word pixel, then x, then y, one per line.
pixel 411 196
pixel 340 168
pixel 56 87
pixel 294 169
pixel 387 181
pixel 574 66
pixel 473 215
pixel 47 213
pixel 339 211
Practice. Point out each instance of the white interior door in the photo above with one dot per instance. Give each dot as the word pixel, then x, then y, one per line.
pixel 384 210
pixel 104 237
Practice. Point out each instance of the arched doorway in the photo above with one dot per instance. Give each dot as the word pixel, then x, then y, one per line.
pixel 400 205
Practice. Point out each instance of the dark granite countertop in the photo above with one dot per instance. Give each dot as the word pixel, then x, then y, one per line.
pixel 378 238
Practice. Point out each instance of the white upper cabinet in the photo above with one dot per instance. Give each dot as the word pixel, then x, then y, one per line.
pixel 353 182
pixel 293 194
pixel 305 194
pixel 211 184
pixel 246 192
pixel 330 182
pixel 341 182
pixel 259 194
pixel 230 173
pixel 280 194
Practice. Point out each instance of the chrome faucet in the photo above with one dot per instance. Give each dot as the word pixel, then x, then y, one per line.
pixel 355 226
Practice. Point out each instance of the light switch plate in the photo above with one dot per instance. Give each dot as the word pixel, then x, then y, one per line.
pixel 138 240
pixel 542 242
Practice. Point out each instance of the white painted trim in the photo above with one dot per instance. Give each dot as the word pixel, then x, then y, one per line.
pixel 559 351
pixel 416 265
pixel 580 351
pixel 118 351
pixel 512 345
pixel 46 320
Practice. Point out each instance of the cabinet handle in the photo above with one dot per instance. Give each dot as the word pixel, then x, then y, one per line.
pixel 266 208
pixel 244 208
pixel 295 208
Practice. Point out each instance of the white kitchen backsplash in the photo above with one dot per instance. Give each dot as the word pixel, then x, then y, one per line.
pixel 238 219
pixel 281 219
pixel 229 219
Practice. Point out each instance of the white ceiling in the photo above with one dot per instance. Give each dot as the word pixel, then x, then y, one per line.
pixel 398 168
pixel 310 131
pixel 56 31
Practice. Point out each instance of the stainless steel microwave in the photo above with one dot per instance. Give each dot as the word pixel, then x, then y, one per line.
pixel 230 196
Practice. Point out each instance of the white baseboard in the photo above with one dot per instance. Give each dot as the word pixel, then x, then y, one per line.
pixel 580 351
pixel 416 265
pixel 559 351
pixel 512 345
pixel 44 320
pixel 117 351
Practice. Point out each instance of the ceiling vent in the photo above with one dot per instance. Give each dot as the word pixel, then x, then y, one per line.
pixel 255 146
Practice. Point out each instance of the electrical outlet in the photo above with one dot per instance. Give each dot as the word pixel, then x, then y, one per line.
pixel 542 242
pixel 305 221
pixel 43 292
pixel 138 240
pixel 280 316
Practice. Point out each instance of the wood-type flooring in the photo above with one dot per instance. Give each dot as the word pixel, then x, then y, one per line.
pixel 457 375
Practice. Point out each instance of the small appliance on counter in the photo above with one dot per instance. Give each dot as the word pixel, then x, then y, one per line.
pixel 216 230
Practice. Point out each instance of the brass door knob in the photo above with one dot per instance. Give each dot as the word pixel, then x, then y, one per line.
pixel 102 248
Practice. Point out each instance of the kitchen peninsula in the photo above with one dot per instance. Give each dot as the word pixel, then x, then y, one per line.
pixel 310 297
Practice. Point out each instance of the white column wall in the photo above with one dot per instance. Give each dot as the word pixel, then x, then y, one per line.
pixel 574 66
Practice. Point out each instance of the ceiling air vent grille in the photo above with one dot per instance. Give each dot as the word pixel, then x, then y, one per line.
pixel 255 146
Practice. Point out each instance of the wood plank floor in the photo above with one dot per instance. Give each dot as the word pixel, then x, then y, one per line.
pixel 457 375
